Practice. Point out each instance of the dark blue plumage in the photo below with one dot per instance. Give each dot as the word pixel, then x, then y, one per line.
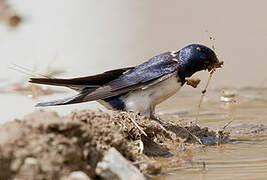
pixel 194 58
pixel 138 88
pixel 154 68
pixel 115 102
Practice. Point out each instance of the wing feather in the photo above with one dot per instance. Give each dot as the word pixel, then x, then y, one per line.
pixel 139 77
pixel 83 82
pixel 154 68
pixel 117 82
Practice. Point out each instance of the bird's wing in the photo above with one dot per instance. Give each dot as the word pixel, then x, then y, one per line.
pixel 153 71
pixel 79 84
pixel 155 68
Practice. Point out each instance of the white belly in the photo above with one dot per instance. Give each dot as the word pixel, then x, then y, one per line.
pixel 144 100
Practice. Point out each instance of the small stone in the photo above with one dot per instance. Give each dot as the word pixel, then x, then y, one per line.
pixel 16 164
pixel 115 166
pixel 78 175
pixel 31 161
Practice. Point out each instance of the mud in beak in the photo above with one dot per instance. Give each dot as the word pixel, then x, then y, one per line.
pixel 217 64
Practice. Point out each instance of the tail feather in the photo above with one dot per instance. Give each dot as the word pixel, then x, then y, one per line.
pixel 71 100
pixel 89 81
pixel 84 85
pixel 63 82
pixel 59 82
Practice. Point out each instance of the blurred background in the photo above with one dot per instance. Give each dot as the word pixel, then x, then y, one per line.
pixel 86 37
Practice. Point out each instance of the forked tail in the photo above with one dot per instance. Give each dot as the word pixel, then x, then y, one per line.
pixel 71 100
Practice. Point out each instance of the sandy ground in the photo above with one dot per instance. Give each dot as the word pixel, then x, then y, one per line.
pixel 44 145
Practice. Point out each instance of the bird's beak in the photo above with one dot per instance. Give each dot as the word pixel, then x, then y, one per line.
pixel 218 64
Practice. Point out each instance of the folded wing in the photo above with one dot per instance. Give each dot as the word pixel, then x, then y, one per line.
pixel 136 78
pixel 83 82
pixel 116 82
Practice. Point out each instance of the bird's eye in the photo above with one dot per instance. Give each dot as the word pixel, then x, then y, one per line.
pixel 198 48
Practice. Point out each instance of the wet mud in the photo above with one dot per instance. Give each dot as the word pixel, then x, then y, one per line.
pixel 44 145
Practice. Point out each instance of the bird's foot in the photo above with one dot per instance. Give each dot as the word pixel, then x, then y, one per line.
pixel 153 117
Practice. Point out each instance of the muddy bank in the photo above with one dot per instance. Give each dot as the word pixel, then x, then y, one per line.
pixel 44 145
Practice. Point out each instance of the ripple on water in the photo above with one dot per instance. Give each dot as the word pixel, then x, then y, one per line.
pixel 245 157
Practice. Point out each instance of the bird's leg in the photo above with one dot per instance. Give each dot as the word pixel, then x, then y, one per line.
pixel 154 118
pixel 152 114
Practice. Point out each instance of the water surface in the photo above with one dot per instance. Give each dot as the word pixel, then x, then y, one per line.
pixel 244 157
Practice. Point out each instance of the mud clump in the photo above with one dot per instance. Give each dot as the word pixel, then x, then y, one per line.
pixel 46 146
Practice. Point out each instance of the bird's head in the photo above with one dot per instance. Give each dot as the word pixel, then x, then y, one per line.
pixel 196 57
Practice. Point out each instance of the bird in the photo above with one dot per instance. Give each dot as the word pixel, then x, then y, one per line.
pixel 139 88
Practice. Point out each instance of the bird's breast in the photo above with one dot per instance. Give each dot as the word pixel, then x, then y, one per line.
pixel 148 97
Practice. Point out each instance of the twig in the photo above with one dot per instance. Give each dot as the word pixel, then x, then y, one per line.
pixel 227 125
pixel 138 127
pixel 194 136
pixel 203 93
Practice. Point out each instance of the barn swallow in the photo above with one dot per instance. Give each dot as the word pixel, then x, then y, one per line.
pixel 138 88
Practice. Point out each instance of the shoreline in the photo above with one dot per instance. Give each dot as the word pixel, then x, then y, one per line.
pixel 57 145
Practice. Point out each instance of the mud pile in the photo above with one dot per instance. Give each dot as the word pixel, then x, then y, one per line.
pixel 46 146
